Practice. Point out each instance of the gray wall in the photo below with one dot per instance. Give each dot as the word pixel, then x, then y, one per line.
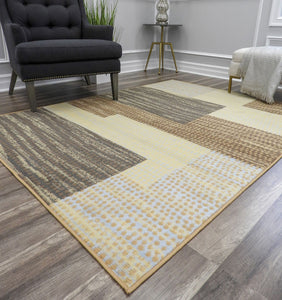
pixel 211 31
pixel 214 26
pixel 134 37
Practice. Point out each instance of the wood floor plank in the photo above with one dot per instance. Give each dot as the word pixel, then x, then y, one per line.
pixel 225 233
pixel 257 261
pixel 15 197
pixel 100 286
pixel 3 171
pixel 254 269
pixel 8 183
pixel 28 264
pixel 12 192
pixel 19 215
pixel 222 286
pixel 27 234
pixel 58 280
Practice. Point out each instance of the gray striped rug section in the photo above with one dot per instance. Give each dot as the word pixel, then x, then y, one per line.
pixel 58 157
pixel 169 106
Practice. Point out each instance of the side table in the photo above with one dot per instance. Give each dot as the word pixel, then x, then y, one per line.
pixel 161 44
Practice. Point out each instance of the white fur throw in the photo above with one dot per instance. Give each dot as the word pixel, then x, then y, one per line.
pixel 261 72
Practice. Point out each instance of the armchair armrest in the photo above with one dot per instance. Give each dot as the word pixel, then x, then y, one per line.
pixel 16 33
pixel 101 32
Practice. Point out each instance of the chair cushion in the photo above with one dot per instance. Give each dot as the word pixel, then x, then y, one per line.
pixel 67 69
pixel 52 51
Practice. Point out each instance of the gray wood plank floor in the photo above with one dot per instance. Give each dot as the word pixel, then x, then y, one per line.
pixel 237 256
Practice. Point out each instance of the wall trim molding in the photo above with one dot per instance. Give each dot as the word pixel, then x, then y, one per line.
pixel 198 68
pixel 200 53
pixel 137 65
pixel 5 82
pixel 135 51
pixel 275 19
pixel 5 76
pixel 131 66
pixel 183 65
pixel 270 38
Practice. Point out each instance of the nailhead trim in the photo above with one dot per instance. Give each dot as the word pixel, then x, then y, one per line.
pixel 65 76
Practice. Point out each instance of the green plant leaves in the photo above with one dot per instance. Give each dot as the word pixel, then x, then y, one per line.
pixel 101 13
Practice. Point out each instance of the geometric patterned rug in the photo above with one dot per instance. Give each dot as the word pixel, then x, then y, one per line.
pixel 134 180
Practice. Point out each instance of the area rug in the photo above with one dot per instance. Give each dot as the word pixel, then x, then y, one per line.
pixel 135 180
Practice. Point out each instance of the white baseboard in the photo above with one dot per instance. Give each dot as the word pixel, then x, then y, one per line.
pixel 200 69
pixel 183 65
pixel 5 82
pixel 130 66
pixel 133 65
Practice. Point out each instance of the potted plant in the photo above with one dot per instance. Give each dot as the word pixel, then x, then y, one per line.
pixel 100 12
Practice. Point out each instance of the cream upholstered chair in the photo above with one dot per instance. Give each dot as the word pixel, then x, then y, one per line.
pixel 235 66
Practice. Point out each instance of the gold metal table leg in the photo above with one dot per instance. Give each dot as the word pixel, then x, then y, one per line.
pixel 162 56
pixel 149 56
pixel 172 52
pixel 161 50
pixel 161 44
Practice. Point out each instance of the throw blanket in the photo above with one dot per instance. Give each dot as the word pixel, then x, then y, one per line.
pixel 261 72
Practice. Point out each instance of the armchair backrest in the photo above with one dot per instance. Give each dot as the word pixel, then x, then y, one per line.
pixel 47 19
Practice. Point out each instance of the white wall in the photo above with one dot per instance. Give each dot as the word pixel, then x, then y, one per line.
pixel 211 31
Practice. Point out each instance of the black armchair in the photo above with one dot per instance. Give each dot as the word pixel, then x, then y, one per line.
pixel 49 39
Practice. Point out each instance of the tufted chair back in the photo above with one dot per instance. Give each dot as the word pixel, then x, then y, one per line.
pixel 47 19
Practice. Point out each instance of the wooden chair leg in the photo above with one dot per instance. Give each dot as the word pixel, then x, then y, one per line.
pixel 87 79
pixel 114 83
pixel 12 82
pixel 230 84
pixel 31 95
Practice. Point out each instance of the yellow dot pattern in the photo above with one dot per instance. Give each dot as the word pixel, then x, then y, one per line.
pixel 132 228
